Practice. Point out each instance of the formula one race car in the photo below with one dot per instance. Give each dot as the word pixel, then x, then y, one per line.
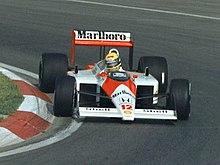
pixel 128 95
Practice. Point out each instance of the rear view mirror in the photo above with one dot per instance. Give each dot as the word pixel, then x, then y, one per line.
pixel 146 72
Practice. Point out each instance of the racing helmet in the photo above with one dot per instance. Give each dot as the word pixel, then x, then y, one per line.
pixel 113 61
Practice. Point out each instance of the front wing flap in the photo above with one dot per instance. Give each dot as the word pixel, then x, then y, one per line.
pixel 162 114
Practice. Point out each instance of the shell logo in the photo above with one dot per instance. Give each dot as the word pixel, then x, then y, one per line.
pixel 128 112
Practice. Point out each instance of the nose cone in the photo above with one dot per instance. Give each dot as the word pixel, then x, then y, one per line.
pixel 124 101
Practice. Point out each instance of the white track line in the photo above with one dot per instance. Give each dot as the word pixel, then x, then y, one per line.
pixel 147 9
pixel 74 126
pixel 19 70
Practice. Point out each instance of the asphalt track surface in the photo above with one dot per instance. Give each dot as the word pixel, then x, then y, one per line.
pixel 190 43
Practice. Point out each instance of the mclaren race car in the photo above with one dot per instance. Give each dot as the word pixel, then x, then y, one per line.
pixel 127 94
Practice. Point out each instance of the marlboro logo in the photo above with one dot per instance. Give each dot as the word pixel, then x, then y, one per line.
pixel 101 35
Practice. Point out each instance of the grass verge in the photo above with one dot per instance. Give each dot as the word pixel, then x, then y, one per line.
pixel 10 96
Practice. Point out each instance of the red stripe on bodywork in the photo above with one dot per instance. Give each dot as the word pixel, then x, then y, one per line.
pixel 27 89
pixel 110 85
pixel 25 124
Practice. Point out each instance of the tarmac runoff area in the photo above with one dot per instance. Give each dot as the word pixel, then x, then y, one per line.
pixel 31 118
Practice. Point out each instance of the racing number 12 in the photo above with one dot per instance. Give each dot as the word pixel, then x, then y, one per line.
pixel 126 107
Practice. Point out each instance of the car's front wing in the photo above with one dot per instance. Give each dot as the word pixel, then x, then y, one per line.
pixel 138 113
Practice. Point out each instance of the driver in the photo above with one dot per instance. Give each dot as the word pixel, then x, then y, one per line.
pixel 113 61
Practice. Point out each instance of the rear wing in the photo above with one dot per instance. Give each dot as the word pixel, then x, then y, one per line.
pixel 102 39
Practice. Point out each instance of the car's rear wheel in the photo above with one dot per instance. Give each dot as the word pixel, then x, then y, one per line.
pixel 64 97
pixel 180 98
pixel 157 67
pixel 51 66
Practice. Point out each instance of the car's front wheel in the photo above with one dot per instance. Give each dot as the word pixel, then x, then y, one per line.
pixel 180 98
pixel 64 96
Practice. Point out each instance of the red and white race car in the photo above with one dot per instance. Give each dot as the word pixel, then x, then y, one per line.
pixel 141 93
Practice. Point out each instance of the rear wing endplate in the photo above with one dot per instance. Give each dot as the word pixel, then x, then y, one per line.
pixel 102 39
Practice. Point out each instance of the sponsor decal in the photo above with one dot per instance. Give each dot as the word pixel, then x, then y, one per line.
pixel 97 109
pixel 125 100
pixel 122 92
pixel 155 111
pixel 95 70
pixel 101 35
pixel 119 74
pixel 98 67
pixel 116 94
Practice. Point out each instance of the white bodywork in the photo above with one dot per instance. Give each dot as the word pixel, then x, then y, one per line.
pixel 122 97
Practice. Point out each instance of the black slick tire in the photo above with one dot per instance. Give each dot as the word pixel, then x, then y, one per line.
pixel 51 65
pixel 180 98
pixel 157 67
pixel 64 97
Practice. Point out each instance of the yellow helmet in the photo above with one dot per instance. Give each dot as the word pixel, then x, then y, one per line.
pixel 112 61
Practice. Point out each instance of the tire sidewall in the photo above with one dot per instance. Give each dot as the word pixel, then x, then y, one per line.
pixel 179 98
pixel 64 96
pixel 51 65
